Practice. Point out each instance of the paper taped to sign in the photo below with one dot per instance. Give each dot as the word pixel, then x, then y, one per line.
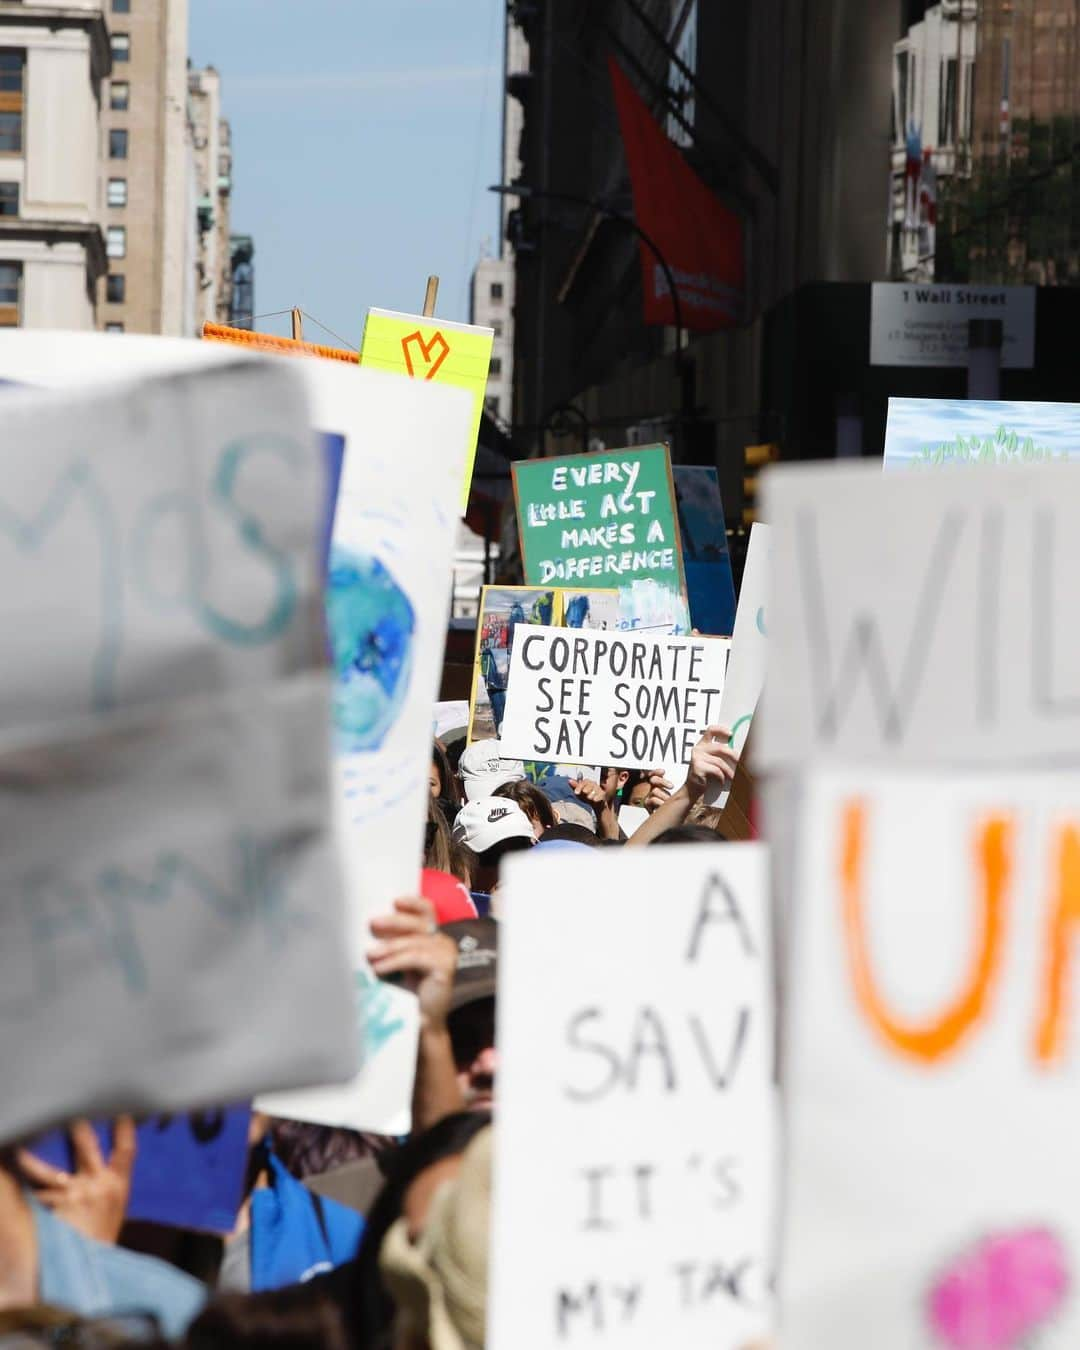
pixel 168 702
pixel 644 1082
pixel 749 653
pixel 930 1063
pixel 618 699
pixel 923 617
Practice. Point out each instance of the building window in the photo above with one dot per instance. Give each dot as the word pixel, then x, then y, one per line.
pixel 12 80
pixel 496 290
pixel 116 241
pixel 121 6
pixel 119 95
pixel 114 328
pixel 121 47
pixel 115 289
pixel 118 144
pixel 496 366
pixel 9 199
pixel 10 294
pixel 117 192
pixel 496 327
pixel 947 103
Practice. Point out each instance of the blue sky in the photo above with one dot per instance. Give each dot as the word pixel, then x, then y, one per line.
pixel 365 136
pixel 915 422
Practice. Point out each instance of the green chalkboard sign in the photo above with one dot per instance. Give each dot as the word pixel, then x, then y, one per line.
pixel 600 520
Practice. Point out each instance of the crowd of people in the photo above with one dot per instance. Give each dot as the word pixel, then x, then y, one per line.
pixel 344 1239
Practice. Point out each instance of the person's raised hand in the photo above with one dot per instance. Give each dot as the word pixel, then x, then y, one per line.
pixel 659 790
pixel 94 1198
pixel 410 945
pixel 713 760
pixel 591 792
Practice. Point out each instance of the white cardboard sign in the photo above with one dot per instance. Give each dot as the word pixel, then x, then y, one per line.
pixel 749 649
pixel 923 617
pixel 397 508
pixel 931 1058
pixel 634 1154
pixel 912 325
pixel 167 866
pixel 623 699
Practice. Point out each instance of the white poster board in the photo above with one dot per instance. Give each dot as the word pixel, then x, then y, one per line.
pixel 628 700
pixel 923 617
pixel 404 448
pixel 167 865
pixel 931 1058
pixel 749 649
pixel 916 325
pixel 634 1154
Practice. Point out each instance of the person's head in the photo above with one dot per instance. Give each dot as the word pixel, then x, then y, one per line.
pixel 613 781
pixel 688 834
pixel 471 1021
pixel 532 801
pixel 636 791
pixel 482 769
pixel 441 778
pixel 570 833
pixel 437 839
pixel 410 1173
pixel 434 1259
pixel 491 827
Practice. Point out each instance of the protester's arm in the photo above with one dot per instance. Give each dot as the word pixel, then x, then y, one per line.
pixel 590 792
pixel 94 1198
pixel 410 945
pixel 712 759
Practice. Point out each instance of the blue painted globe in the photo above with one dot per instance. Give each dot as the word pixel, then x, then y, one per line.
pixel 371 623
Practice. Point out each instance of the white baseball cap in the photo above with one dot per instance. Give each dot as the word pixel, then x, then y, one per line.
pixel 483 769
pixel 488 821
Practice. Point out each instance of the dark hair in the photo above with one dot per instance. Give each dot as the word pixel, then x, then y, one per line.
pixel 308 1150
pixel 532 801
pixel 437 839
pixel 298 1317
pixel 688 834
pixel 574 834
pixel 448 783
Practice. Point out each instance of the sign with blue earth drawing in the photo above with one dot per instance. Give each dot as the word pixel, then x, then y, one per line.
pixel 401 448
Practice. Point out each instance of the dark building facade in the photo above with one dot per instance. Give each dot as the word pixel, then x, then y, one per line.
pixel 783 109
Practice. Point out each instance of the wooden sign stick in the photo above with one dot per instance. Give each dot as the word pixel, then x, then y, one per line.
pixel 431 296
pixel 298 325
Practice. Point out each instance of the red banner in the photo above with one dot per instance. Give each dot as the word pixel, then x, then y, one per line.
pixel 700 239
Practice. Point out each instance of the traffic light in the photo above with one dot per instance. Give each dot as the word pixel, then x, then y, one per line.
pixel 755 457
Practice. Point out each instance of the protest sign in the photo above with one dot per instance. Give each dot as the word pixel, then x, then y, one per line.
pixel 923 617
pixel 502 609
pixel 189 1169
pixel 710 587
pixel 636 1126
pixel 931 432
pixel 749 649
pixel 619 699
pixel 167 702
pixel 601 519
pixel 929 1066
pixel 433 350
pixel 395 435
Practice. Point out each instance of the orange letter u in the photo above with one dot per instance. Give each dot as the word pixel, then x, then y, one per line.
pixel 943 1033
